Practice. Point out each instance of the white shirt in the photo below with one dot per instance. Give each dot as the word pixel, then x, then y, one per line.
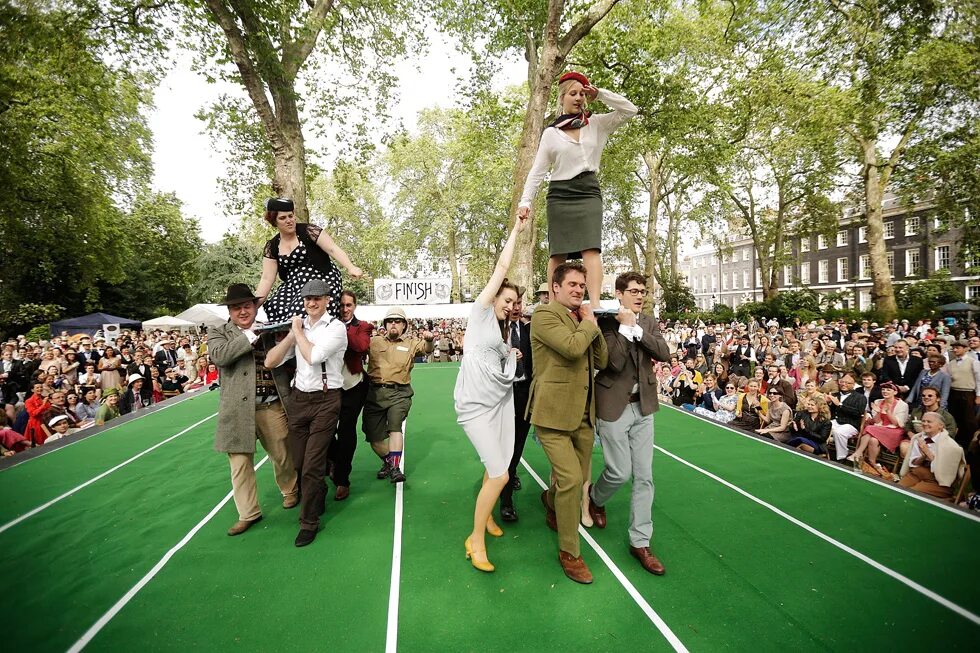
pixel 329 339
pixel 915 452
pixel 567 157
pixel 902 364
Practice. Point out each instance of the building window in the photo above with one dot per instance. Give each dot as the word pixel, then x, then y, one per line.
pixel 864 266
pixel 805 273
pixel 912 268
pixel 942 257
pixel 842 238
pixel 890 258
pixel 890 229
pixel 734 280
pixel 714 282
pixel 862 234
pixel 746 253
pixel 864 300
pixel 842 269
pixel 912 225
pixel 714 259
pixel 805 244
pixel 787 275
pixel 724 281
pixel 973 292
pixel 821 242
pixel 824 272
pixel 704 283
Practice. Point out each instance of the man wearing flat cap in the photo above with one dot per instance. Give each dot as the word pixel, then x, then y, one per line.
pixel 964 394
pixel 317 344
pixel 251 405
pixel 390 362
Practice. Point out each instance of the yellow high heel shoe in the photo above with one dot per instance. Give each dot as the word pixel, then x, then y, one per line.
pixel 493 529
pixel 482 566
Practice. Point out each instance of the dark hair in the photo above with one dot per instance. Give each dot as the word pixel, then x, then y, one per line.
pixel 623 280
pixel 349 293
pixel 270 217
pixel 505 284
pixel 871 374
pixel 568 266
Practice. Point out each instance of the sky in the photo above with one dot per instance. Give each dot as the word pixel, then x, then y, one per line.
pixel 187 163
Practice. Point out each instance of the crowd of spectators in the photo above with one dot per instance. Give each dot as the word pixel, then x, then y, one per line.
pixel 856 393
pixel 55 388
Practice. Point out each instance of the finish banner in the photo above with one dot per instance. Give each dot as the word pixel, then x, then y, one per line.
pixel 412 291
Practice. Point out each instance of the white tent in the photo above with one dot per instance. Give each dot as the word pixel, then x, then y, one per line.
pixel 211 314
pixel 376 312
pixel 168 322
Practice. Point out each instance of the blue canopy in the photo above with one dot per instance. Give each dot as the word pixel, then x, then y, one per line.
pixel 91 323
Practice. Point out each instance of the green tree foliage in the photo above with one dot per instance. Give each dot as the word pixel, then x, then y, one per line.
pixel 923 298
pixel 233 259
pixel 788 307
pixel 72 145
pixel 678 297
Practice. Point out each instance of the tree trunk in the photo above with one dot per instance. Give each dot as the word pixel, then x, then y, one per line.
pixel 455 293
pixel 882 290
pixel 289 153
pixel 654 163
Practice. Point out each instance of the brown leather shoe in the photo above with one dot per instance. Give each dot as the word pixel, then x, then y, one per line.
pixel 242 525
pixel 647 559
pixel 575 568
pixel 342 493
pixel 290 502
pixel 597 513
pixel 550 517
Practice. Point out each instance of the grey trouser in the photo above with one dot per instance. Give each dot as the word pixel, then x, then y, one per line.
pixel 627 446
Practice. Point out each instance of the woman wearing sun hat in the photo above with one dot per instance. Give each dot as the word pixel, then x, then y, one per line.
pixel 571 147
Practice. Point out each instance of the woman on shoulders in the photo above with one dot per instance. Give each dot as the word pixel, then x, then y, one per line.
pixel 571 148
pixel 298 253
pixel 484 395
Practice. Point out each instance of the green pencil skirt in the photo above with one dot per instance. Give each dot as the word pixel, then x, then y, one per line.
pixel 574 215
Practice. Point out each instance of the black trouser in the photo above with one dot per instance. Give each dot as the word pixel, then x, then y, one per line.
pixel 342 450
pixel 962 406
pixel 312 424
pixel 521 428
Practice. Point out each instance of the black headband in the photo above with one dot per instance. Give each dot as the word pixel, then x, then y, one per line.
pixel 279 204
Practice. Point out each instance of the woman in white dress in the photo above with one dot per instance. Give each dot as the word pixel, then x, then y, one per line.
pixel 484 395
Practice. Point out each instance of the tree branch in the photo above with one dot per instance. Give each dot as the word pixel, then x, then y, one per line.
pixel 578 31
pixel 295 52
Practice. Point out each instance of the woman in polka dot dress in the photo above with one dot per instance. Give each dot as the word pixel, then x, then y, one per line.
pixel 298 253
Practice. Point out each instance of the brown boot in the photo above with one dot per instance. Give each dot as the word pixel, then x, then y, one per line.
pixel 342 493
pixel 290 502
pixel 647 559
pixel 575 568
pixel 243 525
pixel 550 517
pixel 598 513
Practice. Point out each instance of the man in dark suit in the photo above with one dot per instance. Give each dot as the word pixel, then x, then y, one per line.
pixel 740 358
pixel 166 358
pixel 146 370
pixel 568 347
pixel 520 337
pixel 901 369
pixel 86 354
pixel 626 398
pixel 848 407
pixel 132 399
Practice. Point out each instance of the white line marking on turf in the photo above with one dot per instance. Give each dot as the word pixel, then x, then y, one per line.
pixel 925 591
pixel 391 639
pixel 864 477
pixel 661 625
pixel 134 590
pixel 75 489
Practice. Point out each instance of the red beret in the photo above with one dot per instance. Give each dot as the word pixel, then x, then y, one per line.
pixel 578 77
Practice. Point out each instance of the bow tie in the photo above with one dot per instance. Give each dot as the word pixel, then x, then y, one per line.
pixel 929 440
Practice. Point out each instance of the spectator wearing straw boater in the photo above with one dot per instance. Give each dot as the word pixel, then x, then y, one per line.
pixel 626 398
pixel 317 344
pixel 251 406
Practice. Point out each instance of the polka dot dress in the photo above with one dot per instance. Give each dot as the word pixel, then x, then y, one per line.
pixel 285 301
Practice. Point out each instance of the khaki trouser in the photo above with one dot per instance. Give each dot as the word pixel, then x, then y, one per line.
pixel 922 479
pixel 570 453
pixel 271 430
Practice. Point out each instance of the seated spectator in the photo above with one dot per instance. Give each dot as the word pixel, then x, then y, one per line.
pixel 90 378
pixel 848 411
pixel 686 384
pixel 211 377
pixel 929 403
pixel 934 461
pixel 811 425
pixel 87 406
pixel 171 383
pixel 932 376
pixel 886 426
pixel 700 364
pixel 750 407
pixel 775 380
pixel 721 374
pixel 708 394
pixel 59 406
pixel 132 399
pixel 869 388
pixel 109 409
pixel 723 409
pixel 58 427
pixel 11 441
pixel 828 380
pixel 775 422
pixel 36 406
pixel 72 402
pixel 664 383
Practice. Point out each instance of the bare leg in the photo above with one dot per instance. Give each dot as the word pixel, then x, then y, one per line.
pixel 874 448
pixel 380 449
pixel 586 516
pixel 592 258
pixel 862 445
pixel 485 501
pixel 553 262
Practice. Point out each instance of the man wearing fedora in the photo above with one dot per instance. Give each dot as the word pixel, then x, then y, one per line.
pixel 251 405
pixel 133 400
pixel 391 358
pixel 317 344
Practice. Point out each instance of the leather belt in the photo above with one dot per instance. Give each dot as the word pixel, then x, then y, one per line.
pixel 635 397
pixel 388 385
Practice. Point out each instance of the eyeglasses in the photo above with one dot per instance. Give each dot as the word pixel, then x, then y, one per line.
pixel 729 387
pixel 642 292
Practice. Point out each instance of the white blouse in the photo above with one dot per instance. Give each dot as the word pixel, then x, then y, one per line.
pixel 567 157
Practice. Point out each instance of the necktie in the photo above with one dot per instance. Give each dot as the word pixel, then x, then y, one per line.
pixel 515 341
pixel 576 315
